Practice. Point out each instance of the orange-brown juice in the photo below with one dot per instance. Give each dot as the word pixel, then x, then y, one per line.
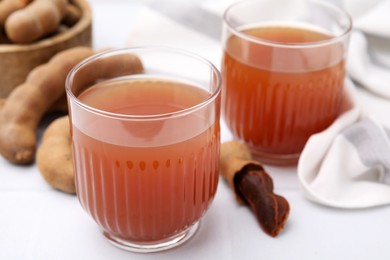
pixel 279 91
pixel 143 185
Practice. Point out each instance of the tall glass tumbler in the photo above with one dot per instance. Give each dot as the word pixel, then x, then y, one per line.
pixel 146 139
pixel 283 73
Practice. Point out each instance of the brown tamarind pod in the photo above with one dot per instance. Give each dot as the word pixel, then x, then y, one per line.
pixel 27 103
pixel 36 20
pixel 54 156
pixel 7 7
pixel 106 67
pixel 254 187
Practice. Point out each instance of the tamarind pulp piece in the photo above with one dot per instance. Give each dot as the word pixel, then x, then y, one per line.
pixel 271 210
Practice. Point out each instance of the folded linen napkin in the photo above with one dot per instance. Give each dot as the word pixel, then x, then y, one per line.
pixel 369 52
pixel 348 164
pixel 332 169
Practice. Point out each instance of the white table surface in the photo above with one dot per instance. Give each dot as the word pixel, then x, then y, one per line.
pixel 37 222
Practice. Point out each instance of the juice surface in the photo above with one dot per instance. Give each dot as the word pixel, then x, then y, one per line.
pixel 146 193
pixel 275 97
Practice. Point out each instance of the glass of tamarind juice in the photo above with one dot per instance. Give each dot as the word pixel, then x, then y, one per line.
pixel 146 138
pixel 283 73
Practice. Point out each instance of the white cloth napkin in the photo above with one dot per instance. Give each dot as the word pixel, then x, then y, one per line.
pixel 369 52
pixel 344 166
pixel 348 164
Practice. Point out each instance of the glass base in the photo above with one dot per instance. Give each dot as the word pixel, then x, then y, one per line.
pixel 155 246
pixel 275 159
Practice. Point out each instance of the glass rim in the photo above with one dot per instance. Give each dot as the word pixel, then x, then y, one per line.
pixel 134 50
pixel 257 40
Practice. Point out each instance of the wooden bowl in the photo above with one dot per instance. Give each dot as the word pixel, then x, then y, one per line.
pixel 17 60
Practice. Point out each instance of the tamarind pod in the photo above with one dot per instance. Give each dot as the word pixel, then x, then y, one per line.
pixel 27 103
pixel 233 158
pixel 35 20
pixel 106 68
pixel 7 7
pixel 54 156
pixel 109 67
pixel 254 187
